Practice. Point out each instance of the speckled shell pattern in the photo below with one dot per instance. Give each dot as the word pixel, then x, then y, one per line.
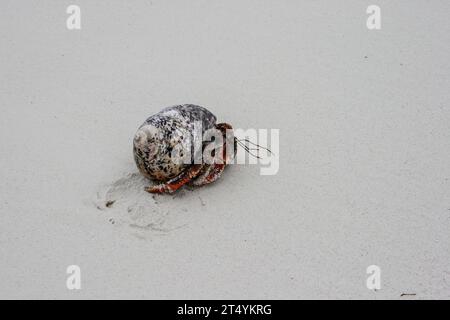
pixel 160 133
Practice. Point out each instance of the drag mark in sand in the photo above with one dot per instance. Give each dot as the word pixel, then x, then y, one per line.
pixel 126 204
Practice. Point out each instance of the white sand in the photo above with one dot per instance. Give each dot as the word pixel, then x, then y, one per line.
pixel 364 178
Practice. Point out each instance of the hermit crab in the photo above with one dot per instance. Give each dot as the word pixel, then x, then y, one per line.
pixel 169 147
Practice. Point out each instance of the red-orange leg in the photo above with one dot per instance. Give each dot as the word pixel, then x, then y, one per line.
pixel 212 172
pixel 176 183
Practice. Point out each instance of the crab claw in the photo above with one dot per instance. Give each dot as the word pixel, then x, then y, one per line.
pixel 160 188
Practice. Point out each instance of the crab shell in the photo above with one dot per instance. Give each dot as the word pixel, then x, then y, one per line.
pixel 173 127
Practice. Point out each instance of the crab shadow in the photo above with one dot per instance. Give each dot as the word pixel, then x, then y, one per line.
pixel 126 204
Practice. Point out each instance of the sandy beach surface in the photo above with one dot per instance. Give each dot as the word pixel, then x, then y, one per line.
pixel 364 151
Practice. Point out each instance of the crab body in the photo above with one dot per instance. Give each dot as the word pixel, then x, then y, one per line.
pixel 176 128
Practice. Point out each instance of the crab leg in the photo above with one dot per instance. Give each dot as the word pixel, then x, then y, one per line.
pixel 177 182
pixel 212 172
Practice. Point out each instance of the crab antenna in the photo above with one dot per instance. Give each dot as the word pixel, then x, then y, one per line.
pixel 247 149
pixel 255 144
